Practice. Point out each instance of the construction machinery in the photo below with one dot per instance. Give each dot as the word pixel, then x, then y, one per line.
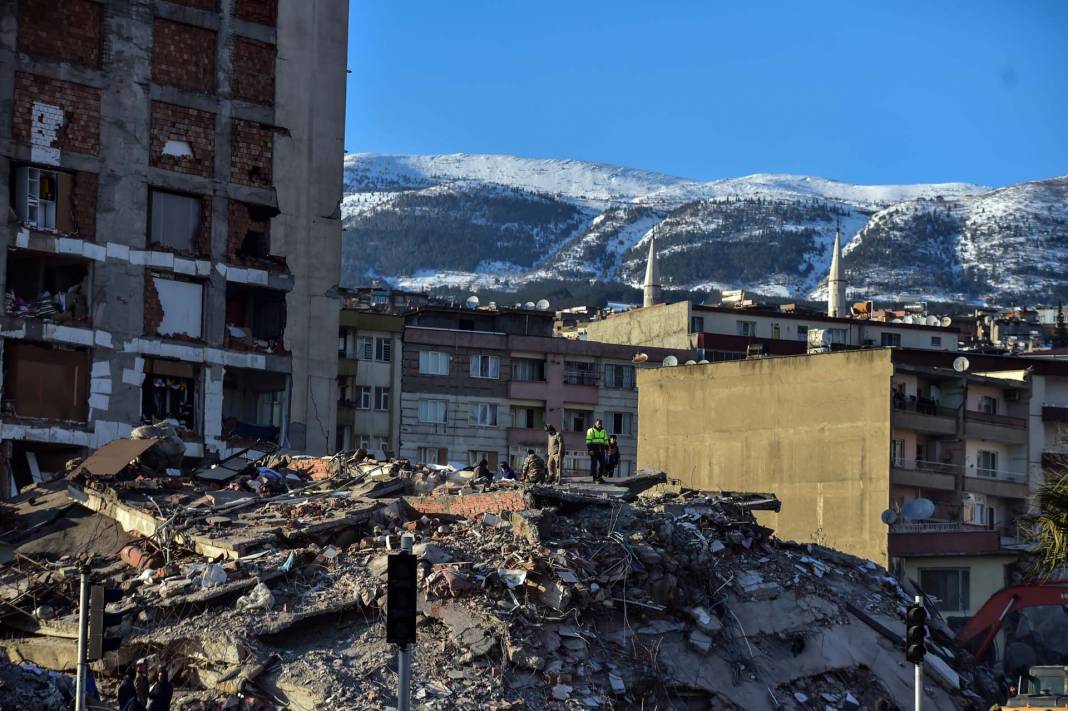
pixel 1016 597
pixel 1043 688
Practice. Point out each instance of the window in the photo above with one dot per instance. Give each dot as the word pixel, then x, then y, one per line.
pixel 577 420
pixel 747 328
pixel 528 370
pixel 529 418
pixel 433 363
pixel 365 348
pixel 986 463
pixel 432 455
pixel 381 398
pixel 483 414
pixel 433 411
pixel 474 456
pixel 936 341
pixel 950 585
pixel 697 324
pixel 988 405
pixel 621 423
pixel 383 348
pixel 363 397
pixel 36 195
pixel 580 373
pixel 776 330
pixel 175 220
pixel 802 333
pixel 341 344
pixel 485 366
pixel 380 297
pixel 836 335
pixel 897 452
pixel 618 376
pixel 890 339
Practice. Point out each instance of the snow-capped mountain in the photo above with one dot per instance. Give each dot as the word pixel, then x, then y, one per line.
pixel 502 221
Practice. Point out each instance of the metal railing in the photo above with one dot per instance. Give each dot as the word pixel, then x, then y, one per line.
pixel 1000 474
pixel 1002 420
pixel 921 405
pixel 580 377
pixel 928 466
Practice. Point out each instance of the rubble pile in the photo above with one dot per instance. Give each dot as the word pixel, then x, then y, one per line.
pixel 260 583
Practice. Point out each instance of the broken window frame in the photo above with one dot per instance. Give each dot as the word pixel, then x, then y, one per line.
pixel 17 260
pixel 171 386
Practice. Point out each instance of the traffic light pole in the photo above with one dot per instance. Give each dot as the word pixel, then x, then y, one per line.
pixel 919 672
pixel 404 654
pixel 83 641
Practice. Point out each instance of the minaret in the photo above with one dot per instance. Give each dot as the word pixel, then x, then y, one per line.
pixel 652 276
pixel 836 283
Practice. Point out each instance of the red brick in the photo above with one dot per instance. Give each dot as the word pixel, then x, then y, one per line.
pixel 80 105
pixel 470 505
pixel 253 75
pixel 265 12
pixel 179 123
pixel 70 30
pixel 83 204
pixel 183 56
pixel 252 151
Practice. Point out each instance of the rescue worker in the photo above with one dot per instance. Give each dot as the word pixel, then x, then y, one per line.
pixel 611 457
pixel 596 444
pixel 556 454
pixel 533 468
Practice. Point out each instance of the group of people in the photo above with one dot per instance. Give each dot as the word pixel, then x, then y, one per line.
pixel 603 450
pixel 138 693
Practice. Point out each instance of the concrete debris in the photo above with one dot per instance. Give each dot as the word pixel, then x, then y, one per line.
pixel 260 584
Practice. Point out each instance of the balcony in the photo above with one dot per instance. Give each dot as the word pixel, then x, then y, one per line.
pixel 924 474
pixel 923 415
pixel 527 389
pixel 996 428
pixel 997 482
pixel 580 386
pixel 1054 413
pixel 942 538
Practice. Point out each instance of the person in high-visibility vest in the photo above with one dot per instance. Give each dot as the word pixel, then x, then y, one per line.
pixel 596 444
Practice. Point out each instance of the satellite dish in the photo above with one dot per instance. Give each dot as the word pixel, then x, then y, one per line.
pixel 472 302
pixel 910 319
pixel 528 305
pixel 671 361
pixel 946 321
pixel 918 509
pixel 691 362
pixel 960 364
pixel 542 305
pixel 933 321
pixel 639 358
pixel 896 320
pixel 889 517
pixel 702 362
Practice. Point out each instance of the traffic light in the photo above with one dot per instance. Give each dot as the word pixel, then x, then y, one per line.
pixel 400 599
pixel 915 633
pixel 101 622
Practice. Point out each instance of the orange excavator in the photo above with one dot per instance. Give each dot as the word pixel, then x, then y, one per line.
pixel 993 612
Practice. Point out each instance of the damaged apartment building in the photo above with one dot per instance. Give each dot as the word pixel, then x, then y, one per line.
pixel 173 230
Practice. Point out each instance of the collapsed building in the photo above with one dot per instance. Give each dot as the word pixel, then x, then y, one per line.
pixel 172 230
pixel 260 583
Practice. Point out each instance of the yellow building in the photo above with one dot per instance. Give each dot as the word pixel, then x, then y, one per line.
pixel 843 437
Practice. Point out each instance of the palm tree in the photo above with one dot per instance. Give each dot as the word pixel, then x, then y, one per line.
pixel 1049 527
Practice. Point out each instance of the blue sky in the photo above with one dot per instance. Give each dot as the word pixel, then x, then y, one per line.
pixel 871 92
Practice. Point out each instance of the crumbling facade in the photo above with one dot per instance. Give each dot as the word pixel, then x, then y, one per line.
pixel 173 233
pixel 844 437
pixel 485 382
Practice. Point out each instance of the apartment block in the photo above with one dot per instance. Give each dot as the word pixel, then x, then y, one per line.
pixel 843 437
pixel 370 353
pixel 726 332
pixel 485 382
pixel 173 234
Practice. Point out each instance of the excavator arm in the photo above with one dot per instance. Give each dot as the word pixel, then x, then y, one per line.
pixel 993 612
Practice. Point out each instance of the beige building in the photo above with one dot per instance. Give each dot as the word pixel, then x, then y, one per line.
pixel 843 437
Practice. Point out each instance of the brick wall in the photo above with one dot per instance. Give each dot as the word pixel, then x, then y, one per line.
pixel 253 75
pixel 80 104
pixel 203 241
pixel 252 146
pixel 209 5
pixel 70 30
pixel 183 56
pixel 153 307
pixel 240 222
pixel 264 12
pixel 178 123
pixel 83 204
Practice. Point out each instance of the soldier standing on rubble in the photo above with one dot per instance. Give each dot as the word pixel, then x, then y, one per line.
pixel 556 454
pixel 533 468
pixel 596 444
